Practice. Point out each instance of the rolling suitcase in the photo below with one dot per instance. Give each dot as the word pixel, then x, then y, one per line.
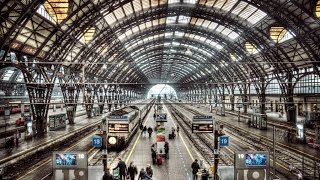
pixel 159 160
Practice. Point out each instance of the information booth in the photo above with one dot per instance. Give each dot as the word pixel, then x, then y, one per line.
pixel 202 124
pixel 57 121
pixel 220 110
pixel 70 165
pixel 251 165
pixel 258 121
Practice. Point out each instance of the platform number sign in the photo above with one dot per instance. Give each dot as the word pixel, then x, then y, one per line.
pixel 224 141
pixel 97 141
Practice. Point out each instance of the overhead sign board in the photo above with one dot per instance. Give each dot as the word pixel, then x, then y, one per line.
pixel 202 124
pixel 161 117
pixel 224 141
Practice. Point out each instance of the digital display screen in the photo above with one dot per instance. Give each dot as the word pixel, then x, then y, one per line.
pixel 161 117
pixel 207 128
pixel 258 159
pixel 66 159
pixel 119 128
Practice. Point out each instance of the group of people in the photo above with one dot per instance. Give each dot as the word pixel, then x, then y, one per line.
pixel 144 130
pixel 130 172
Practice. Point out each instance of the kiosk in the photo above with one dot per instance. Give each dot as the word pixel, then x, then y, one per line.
pixel 251 165
pixel 70 165
pixel 258 121
pixel 161 118
pixel 57 121
pixel 220 110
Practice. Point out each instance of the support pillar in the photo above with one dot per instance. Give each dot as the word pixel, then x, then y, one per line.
pixel 88 99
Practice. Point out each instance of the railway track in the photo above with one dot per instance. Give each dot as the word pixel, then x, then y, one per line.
pixel 202 141
pixel 285 155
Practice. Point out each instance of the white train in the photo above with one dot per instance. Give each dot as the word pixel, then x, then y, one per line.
pixel 123 123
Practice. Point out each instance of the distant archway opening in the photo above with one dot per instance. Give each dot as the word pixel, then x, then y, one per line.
pixel 163 90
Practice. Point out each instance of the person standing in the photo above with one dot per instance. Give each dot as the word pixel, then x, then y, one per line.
pixel 107 175
pixel 150 131
pixel 166 149
pixel 149 171
pixel 145 130
pixel 154 153
pixel 132 171
pixel 122 169
pixel 142 174
pixel 195 168
pixel 154 116
pixel 178 128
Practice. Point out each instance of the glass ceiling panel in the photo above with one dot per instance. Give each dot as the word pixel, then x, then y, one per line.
pixel 7 75
pixel 318 9
pixel 57 9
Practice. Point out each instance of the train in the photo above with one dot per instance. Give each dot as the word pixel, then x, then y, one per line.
pixel 15 107
pixel 123 123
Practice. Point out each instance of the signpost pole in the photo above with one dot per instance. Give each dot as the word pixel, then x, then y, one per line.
pixel 104 145
pixel 274 152
pixel 216 155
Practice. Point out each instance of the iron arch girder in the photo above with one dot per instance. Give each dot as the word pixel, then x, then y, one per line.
pixel 245 29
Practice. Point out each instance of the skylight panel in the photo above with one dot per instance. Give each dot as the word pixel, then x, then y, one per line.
pixel 199 22
pixel 171 19
pixel 212 26
pixel 119 13
pixel 229 4
pixel 148 24
pixel 220 28
pixel 183 19
pixel 128 9
pixel 175 43
pixel 190 1
pixel 179 34
pixel 128 33
pixel 137 5
pixel 173 1
pixel 8 75
pixel 145 4
pixel 219 4
pixel 251 49
pixel 110 18
pixel 233 35
pixel 202 39
pixel 20 78
pixel 135 29
pixel 142 26
pixel 205 24
pixel 218 46
pixel 121 37
pixel 239 8
pixel 226 31
pixel 168 34
pixel 155 22
pixel 248 11
pixel 257 16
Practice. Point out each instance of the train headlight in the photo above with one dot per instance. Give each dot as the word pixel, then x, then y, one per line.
pixel 112 140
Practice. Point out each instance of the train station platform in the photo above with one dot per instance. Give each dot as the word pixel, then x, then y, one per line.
pixel 181 153
pixel 303 148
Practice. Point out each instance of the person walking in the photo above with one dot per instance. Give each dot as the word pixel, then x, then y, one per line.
pixel 142 174
pixel 154 116
pixel 195 168
pixel 173 132
pixel 166 149
pixel 107 175
pixel 132 171
pixel 145 130
pixel 149 171
pixel 122 169
pixel 178 128
pixel 150 131
pixel 153 153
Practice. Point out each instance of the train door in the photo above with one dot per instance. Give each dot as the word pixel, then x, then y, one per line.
pixel 271 106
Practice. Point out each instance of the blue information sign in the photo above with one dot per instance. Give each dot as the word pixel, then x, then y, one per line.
pixel 224 141
pixel 97 141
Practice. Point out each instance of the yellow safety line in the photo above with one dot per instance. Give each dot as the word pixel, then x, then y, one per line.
pixel 136 142
pixel 188 150
pixel 42 164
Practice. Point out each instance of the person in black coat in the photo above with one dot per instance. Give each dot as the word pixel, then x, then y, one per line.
pixel 150 131
pixel 122 169
pixel 107 175
pixel 195 168
pixel 132 171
